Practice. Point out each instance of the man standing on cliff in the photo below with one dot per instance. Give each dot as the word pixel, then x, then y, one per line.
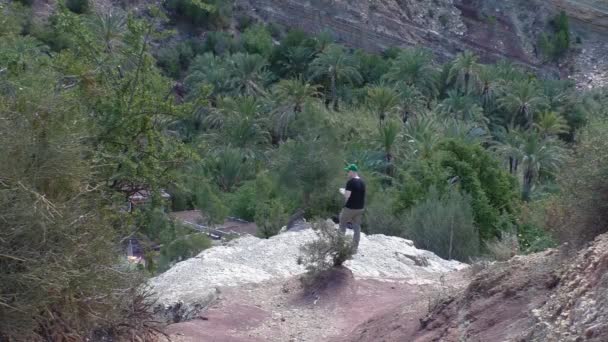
pixel 354 195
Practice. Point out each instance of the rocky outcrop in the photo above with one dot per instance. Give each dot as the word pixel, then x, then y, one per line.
pixel 192 285
pixel 445 26
pixel 549 296
pixel 591 12
pixel 578 308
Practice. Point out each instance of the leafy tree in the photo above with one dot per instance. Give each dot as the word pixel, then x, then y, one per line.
pixel 59 237
pixel 306 167
pixel 492 190
pixel 335 66
pixel 257 40
pixel 444 225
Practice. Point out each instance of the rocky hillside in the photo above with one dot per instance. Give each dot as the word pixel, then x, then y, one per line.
pixel 542 297
pixel 493 29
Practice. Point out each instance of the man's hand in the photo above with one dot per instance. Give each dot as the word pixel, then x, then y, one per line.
pixel 342 191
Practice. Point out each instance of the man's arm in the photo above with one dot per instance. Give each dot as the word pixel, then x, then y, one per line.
pixel 347 195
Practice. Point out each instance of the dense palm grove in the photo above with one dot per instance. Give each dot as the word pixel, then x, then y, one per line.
pixel 468 160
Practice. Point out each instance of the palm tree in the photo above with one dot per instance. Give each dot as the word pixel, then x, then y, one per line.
pixel 414 67
pixel 335 65
pixel 422 135
pixel 551 124
pixel 465 72
pixel 533 153
pixel 249 73
pixel 291 95
pixel 229 167
pixel 538 155
pixel 462 106
pixel 508 145
pixel 109 28
pixel 296 60
pixel 411 101
pixel 382 101
pixel 522 99
pixel 489 84
pixel 208 69
pixel 389 133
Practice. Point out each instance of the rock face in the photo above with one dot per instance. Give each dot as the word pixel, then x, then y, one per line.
pixel 444 26
pixel 579 306
pixel 493 29
pixel 191 285
pixel 548 296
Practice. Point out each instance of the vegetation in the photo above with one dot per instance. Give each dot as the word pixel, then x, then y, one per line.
pixel 331 249
pixel 457 157
pixel 555 45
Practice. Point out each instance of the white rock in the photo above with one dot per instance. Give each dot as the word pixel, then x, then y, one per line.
pixel 253 260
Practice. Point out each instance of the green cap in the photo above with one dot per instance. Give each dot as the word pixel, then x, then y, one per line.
pixel 351 167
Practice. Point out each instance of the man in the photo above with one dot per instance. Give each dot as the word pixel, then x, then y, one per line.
pixel 354 195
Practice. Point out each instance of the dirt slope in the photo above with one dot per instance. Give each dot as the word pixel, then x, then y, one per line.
pixel 543 297
pixel 284 311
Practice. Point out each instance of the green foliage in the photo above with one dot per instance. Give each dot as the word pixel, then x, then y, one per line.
pixel 335 66
pixel 257 40
pixel 209 202
pixel 78 6
pixel 182 248
pixel 444 225
pixel 60 233
pixel 557 44
pixel 578 214
pixel 330 249
pixel 270 217
pixel 307 167
pixel 491 188
pixel 201 13
pixel 176 59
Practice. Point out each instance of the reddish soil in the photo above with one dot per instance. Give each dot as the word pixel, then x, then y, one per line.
pixel 496 306
pixel 286 311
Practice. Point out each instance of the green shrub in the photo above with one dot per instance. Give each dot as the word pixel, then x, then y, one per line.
pixel 175 59
pixel 380 218
pixel 209 202
pixel 270 217
pixel 181 249
pixel 202 13
pixel 257 39
pixel 504 248
pixel 330 249
pixel 444 225
pixel 26 2
pixel 557 44
pixel 78 6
